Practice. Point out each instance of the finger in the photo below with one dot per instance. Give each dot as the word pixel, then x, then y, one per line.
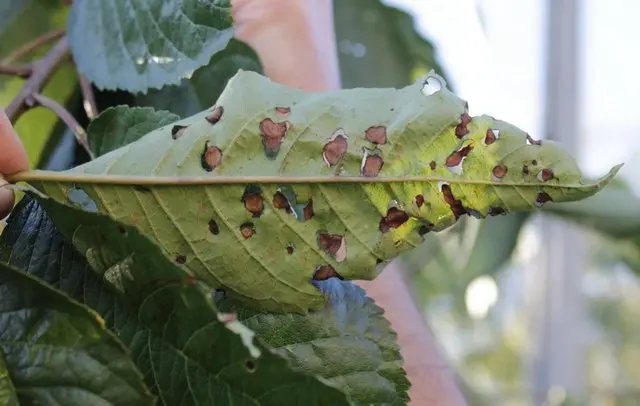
pixel 13 157
pixel 7 200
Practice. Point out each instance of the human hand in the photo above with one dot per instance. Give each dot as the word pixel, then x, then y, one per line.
pixel 13 158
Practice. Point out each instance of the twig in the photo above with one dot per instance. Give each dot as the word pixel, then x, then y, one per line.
pixel 41 74
pixel 31 45
pixel 65 116
pixel 89 102
pixel 24 71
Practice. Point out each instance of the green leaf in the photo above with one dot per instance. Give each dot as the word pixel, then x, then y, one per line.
pixel 21 22
pixel 55 351
pixel 167 320
pixel 345 177
pixel 378 45
pixel 349 343
pixel 203 88
pixel 135 45
pixel 121 125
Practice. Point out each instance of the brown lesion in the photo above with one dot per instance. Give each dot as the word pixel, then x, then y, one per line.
pixel 456 205
pixel 334 150
pixel 281 202
pixel 490 137
pixel 456 157
pixel 371 164
pixel 181 259
pixel 419 199
pixel 215 115
pixel 253 201
pixel 496 211
pixel 283 111
pixel 177 131
pixel 290 249
pixel 211 157
pixel 432 165
pixel 461 129
pixel 376 134
pixel 333 244
pixel 546 175
pixel 324 272
pixel 499 171
pixel 307 211
pixel 394 219
pixel 272 134
pixel 542 198
pixel 247 230
pixel 213 227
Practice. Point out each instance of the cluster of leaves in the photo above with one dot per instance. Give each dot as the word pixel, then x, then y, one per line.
pixel 90 311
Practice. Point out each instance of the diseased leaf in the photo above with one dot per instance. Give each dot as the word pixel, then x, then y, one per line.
pixel 349 178
pixel 135 45
pixel 122 125
pixel 167 320
pixel 55 351
pixel 349 343
pixel 203 88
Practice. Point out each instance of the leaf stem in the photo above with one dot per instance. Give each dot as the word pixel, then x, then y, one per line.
pixel 89 98
pixel 42 70
pixel 31 45
pixel 22 70
pixel 65 116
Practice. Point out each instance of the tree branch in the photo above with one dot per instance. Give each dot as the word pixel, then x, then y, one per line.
pixel 41 74
pixel 31 45
pixel 23 71
pixel 65 116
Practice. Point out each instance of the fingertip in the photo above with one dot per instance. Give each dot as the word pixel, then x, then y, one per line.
pixel 7 200
pixel 13 157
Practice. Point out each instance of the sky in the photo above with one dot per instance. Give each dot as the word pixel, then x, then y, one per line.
pixel 494 53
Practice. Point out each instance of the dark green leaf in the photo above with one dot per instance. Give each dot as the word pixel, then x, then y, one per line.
pixel 135 45
pixel 202 89
pixel 165 317
pixel 20 22
pixel 349 343
pixel 121 125
pixel 378 45
pixel 55 351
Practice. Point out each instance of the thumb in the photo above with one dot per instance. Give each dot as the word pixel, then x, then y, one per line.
pixel 13 158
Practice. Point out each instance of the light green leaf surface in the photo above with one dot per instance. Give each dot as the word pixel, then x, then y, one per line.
pixel 350 343
pixel 167 321
pixel 135 45
pixel 349 178
pixel 55 351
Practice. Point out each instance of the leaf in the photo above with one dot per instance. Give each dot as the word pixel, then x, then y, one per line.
pixel 349 343
pixel 202 89
pixel 135 45
pixel 21 22
pixel 378 45
pixel 269 167
pixel 167 320
pixel 55 351
pixel 121 125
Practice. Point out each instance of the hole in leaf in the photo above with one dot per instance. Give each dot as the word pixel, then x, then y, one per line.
pixel 283 111
pixel 324 272
pixel 333 244
pixel 78 197
pixel 496 211
pixel 177 131
pixel 456 205
pixel 250 366
pixel 542 198
pixel 545 175
pixel 531 141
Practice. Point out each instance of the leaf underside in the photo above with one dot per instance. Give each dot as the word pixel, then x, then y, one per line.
pixel 355 177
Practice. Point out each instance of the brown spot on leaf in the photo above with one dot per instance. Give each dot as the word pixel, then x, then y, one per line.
pixel 333 244
pixel 324 272
pixel 394 219
pixel 177 131
pixel 283 111
pixel 542 198
pixel 455 158
pixel 372 165
pixel 432 165
pixel 253 201
pixel 496 211
pixel 181 259
pixel 419 200
pixel 499 171
pixel 307 212
pixel 534 162
pixel 334 150
pixel 456 205
pixel 376 134
pixel 379 261
pixel 211 157
pixel 531 141
pixel 490 137
pixel 281 202
pixel 250 366
pixel 290 249
pixel 546 175
pixel 525 170
pixel 461 129
pixel 272 135
pixel 247 230
pixel 215 115
pixel 213 227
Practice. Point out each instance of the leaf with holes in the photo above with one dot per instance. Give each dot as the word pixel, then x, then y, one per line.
pixel 136 45
pixel 53 350
pixel 349 343
pixel 272 184
pixel 188 352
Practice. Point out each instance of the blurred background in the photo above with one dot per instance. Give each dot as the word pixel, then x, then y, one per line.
pixel 539 309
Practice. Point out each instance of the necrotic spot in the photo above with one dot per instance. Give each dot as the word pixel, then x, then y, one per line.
pixel 215 115
pixel 177 131
pixel 394 219
pixel 247 230
pixel 181 259
pixel 272 135
pixel 334 150
pixel 324 272
pixel 213 227
pixel 211 157
pixel 376 134
pixel 253 201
